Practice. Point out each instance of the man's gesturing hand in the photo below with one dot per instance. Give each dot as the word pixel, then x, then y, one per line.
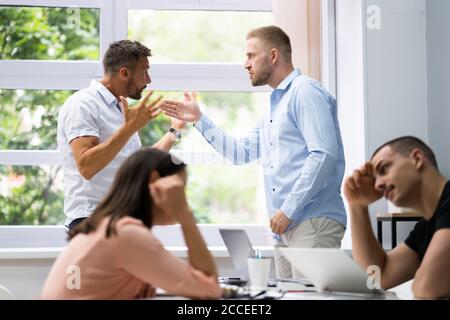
pixel 188 110
pixel 136 118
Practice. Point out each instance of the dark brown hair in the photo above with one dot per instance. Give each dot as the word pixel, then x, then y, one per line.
pixel 274 37
pixel 129 194
pixel 404 146
pixel 124 53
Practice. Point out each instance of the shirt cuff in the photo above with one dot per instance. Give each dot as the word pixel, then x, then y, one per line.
pixel 288 208
pixel 82 133
pixel 203 124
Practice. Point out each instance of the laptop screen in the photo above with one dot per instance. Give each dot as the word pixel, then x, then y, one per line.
pixel 239 247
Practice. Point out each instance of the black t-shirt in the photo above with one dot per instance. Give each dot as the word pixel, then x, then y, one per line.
pixel 420 237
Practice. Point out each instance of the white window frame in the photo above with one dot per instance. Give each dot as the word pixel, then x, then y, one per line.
pixel 114 26
pixel 74 75
pixel 60 74
pixel 328 40
pixel 208 76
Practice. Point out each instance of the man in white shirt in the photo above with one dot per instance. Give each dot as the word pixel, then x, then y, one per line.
pixel 96 132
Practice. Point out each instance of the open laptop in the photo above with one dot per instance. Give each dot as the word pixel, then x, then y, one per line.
pixel 330 270
pixel 240 248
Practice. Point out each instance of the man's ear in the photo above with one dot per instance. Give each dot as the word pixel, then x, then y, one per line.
pixel 154 175
pixel 419 158
pixel 274 55
pixel 124 73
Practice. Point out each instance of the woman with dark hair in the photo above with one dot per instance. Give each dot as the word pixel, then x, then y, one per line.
pixel 113 254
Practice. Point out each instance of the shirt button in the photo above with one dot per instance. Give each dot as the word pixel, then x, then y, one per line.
pixel 271 121
pixel 273 189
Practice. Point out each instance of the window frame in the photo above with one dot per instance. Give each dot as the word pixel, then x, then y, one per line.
pixel 114 26
pixel 28 74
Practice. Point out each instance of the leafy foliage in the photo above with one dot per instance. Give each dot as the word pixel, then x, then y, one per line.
pixel 28 117
pixel 49 33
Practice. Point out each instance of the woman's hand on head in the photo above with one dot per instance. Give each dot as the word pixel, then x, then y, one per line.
pixel 168 195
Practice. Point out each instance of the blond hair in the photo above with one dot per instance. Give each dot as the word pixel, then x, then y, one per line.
pixel 274 37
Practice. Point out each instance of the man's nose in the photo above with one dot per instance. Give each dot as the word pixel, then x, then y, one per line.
pixel 380 184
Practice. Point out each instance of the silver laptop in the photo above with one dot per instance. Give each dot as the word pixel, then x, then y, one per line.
pixel 240 248
pixel 331 270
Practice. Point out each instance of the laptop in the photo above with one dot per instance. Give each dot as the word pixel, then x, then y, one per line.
pixel 240 248
pixel 330 270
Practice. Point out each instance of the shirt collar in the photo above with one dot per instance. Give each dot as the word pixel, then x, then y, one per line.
pixel 109 98
pixel 287 81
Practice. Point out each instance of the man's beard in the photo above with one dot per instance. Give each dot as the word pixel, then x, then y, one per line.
pixel 262 78
pixel 137 94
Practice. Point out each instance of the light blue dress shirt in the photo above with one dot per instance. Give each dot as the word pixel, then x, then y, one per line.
pixel 300 145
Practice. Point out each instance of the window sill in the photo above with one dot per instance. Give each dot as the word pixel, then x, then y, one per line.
pixel 43 237
pixel 53 252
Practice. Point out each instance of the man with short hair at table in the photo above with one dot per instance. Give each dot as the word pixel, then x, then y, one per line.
pixel 404 171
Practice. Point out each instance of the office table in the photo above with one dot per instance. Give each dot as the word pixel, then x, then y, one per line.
pixel 297 295
pixel 393 217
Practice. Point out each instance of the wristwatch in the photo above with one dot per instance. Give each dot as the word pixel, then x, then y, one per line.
pixel 176 133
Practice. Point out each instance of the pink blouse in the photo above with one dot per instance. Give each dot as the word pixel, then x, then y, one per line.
pixel 126 265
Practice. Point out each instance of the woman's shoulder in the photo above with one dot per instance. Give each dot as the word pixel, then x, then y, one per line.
pixel 133 230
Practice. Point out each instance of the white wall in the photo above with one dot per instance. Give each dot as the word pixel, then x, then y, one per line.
pixel 397 89
pixel 438 45
pixel 382 79
pixel 350 87
pixel 396 71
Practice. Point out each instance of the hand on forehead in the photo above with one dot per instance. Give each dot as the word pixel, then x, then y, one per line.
pixel 385 154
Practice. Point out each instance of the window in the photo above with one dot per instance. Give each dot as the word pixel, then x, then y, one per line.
pixel 44 33
pixel 52 48
pixel 28 118
pixel 184 39
pixel 217 191
pixel 31 195
pixel 40 43
pixel 205 55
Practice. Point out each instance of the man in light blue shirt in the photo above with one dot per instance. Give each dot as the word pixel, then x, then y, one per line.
pixel 298 141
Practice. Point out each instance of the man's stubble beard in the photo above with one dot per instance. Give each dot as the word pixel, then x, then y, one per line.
pixel 263 77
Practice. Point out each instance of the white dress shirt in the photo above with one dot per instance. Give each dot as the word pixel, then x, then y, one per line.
pixel 94 112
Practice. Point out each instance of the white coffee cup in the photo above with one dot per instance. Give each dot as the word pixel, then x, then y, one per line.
pixel 258 271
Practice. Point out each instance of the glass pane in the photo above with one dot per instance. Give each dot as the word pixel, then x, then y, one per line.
pixel 41 33
pixel 195 36
pixel 222 193
pixel 31 195
pixel 234 112
pixel 28 118
pixel 217 193
pixel 227 194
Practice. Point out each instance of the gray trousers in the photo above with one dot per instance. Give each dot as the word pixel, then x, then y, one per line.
pixel 318 232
